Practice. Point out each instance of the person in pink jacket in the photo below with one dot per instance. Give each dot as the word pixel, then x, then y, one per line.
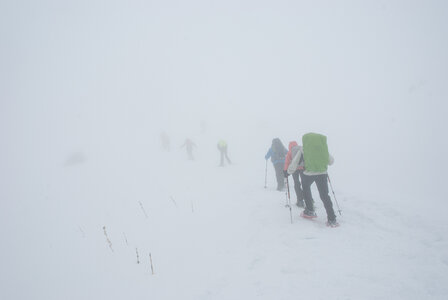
pixel 298 172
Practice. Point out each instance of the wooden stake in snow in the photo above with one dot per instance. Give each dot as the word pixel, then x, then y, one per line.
pixel 126 240
pixel 141 205
pixel 152 267
pixel 172 199
pixel 107 238
pixel 138 260
pixel 82 231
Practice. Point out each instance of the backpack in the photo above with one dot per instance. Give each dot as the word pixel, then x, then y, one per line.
pixel 315 152
pixel 278 151
pixel 296 163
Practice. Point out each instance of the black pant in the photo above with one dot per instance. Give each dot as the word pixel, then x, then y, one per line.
pixel 297 175
pixel 279 175
pixel 322 187
pixel 224 154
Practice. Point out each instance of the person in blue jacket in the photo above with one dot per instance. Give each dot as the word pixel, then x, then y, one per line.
pixel 277 153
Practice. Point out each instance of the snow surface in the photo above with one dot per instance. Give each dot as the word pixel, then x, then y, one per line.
pixel 88 87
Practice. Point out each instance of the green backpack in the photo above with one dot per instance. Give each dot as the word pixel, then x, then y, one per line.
pixel 315 152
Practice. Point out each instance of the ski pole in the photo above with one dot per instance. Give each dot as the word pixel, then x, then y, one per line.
pixel 334 195
pixel 266 174
pixel 289 198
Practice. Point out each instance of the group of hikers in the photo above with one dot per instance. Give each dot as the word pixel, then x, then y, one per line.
pixel 306 164
pixel 222 147
pixel 189 145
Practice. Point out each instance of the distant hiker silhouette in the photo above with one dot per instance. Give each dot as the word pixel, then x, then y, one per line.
pixel 203 126
pixel 222 147
pixel 165 140
pixel 189 144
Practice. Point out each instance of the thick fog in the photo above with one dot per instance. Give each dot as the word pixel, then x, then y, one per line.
pixel 100 76
pixel 87 88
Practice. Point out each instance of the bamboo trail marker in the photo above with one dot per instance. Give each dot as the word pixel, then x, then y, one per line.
pixel 143 209
pixel 82 232
pixel 107 238
pixel 174 201
pixel 125 239
pixel 152 267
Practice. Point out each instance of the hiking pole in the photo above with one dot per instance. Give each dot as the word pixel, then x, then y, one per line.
pixel 266 174
pixel 289 198
pixel 334 195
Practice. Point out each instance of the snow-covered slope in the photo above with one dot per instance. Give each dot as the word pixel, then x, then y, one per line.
pixel 87 88
pixel 212 232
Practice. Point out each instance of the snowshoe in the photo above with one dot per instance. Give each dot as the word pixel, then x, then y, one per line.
pixel 308 214
pixel 332 223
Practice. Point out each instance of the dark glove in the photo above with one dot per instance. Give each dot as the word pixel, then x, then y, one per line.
pixel 285 173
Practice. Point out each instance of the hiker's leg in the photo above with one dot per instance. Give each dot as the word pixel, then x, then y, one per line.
pixel 307 181
pixel 322 186
pixel 280 176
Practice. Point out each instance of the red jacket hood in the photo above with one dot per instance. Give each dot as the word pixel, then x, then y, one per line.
pixel 292 144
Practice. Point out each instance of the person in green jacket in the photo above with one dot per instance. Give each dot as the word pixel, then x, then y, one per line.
pixel 317 159
pixel 222 147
